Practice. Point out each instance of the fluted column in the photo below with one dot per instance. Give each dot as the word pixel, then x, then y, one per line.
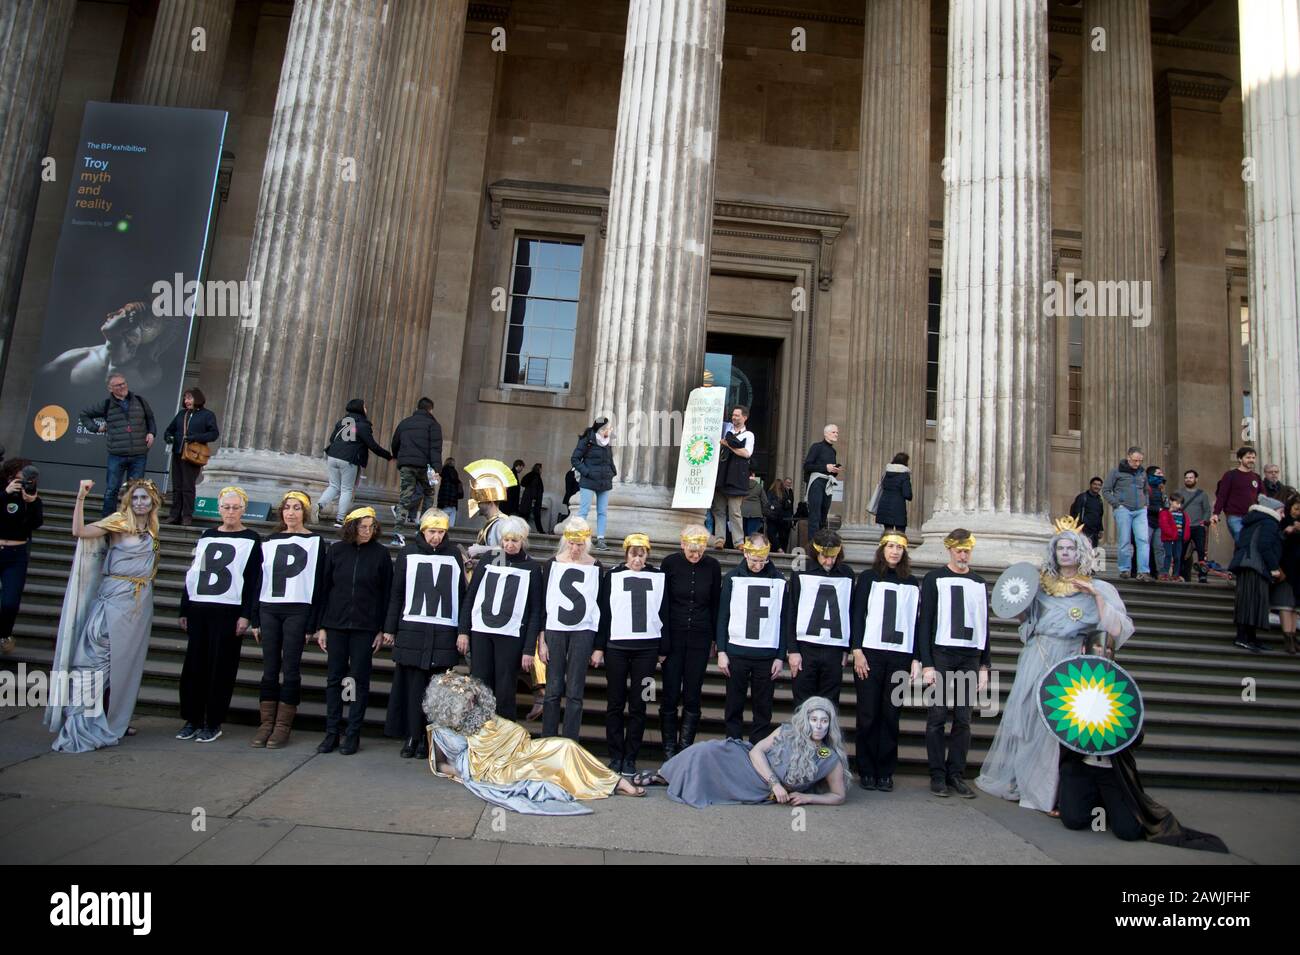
pixel 422 65
pixel 1123 356
pixel 176 74
pixel 33 40
pixel 1270 93
pixel 995 360
pixel 293 358
pixel 887 341
pixel 654 284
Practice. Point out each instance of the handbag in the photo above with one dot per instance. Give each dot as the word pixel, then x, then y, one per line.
pixel 874 503
pixel 196 452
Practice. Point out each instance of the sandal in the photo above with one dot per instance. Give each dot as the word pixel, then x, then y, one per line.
pixel 637 791
pixel 131 731
pixel 647 779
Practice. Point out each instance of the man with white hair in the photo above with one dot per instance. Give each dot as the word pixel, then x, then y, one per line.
pixel 819 470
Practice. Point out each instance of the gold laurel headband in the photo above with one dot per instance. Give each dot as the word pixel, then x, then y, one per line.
pixel 578 536
pixel 752 550
pixel 636 540
pixel 434 519
pixel 234 490
pixel 827 551
pixel 898 539
pixel 359 513
pixel 693 539
pixel 952 543
pixel 298 496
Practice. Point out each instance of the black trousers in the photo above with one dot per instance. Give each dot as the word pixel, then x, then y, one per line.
pixel 566 680
pixel 1198 542
pixel 822 673
pixel 535 514
pixel 495 659
pixel 348 653
pixel 1084 788
pixel 876 735
pixel 819 507
pixel 407 719
pixel 211 664
pixel 185 478
pixel 753 678
pixel 626 667
pixel 684 670
pixel 284 634
pixel 13 578
pixel 778 532
pixel 955 675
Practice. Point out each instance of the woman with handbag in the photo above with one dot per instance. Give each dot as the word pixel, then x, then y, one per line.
pixel 188 434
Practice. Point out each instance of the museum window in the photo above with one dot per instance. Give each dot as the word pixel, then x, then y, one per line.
pixel 932 350
pixel 545 276
pixel 1075 401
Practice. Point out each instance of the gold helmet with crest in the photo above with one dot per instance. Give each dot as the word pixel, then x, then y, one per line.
pixel 488 479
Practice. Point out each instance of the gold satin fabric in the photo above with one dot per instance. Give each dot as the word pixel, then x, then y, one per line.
pixel 503 752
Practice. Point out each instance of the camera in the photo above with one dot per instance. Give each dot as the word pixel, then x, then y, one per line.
pixel 29 476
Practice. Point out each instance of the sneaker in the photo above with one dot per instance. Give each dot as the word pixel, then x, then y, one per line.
pixel 867 783
pixel 958 785
pixel 1260 648
pixel 939 788
pixel 188 731
pixel 600 544
pixel 338 522
pixel 885 784
pixel 629 768
pixel 1145 578
pixel 398 540
pixel 616 765
pixel 313 514
pixel 398 517
pixel 1246 645
pixel 208 736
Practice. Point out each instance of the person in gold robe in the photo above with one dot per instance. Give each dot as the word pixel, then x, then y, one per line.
pixel 498 761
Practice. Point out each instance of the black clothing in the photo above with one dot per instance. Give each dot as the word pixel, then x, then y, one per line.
pixel 450 490
pixel 1290 560
pixel 13 578
pixel 610 628
pixel 955 680
pixel 418 644
pixel 348 653
pixel 753 677
pixel 692 593
pixel 733 469
pixel 823 666
pixel 820 454
pixel 285 629
pixel 683 675
pixel 18 519
pixel 185 482
pixel 211 663
pixel 895 492
pixel 417 441
pixel 125 429
pixel 876 736
pixel 316 607
pixel 530 623
pixel 724 615
pixel 1084 788
pixel 352 439
pixel 197 425
pixel 495 660
pixel 1088 508
pixel 928 620
pixel 530 499
pixel 1259 545
pixel 594 464
pixel 779 514
pixel 624 667
pixel 356 586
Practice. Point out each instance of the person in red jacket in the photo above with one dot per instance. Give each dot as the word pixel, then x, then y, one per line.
pixel 1175 530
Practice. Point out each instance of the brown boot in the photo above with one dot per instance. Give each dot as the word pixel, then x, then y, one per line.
pixel 283 724
pixel 1289 639
pixel 268 723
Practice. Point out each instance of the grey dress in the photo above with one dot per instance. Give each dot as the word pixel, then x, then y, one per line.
pixel 719 773
pixel 102 643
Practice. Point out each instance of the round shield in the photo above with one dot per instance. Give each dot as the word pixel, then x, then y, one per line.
pixel 1091 705
pixel 1015 590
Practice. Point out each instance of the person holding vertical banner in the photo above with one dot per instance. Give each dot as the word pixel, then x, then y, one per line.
pixel 423 616
pixel 886 602
pixel 817 626
pixel 501 614
pixel 634 639
pixel 749 637
pixel 576 600
pixel 221 590
pixel 693 582
pixel 953 643
pixel 289 608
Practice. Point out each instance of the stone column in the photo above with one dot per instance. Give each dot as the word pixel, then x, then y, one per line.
pixel 33 40
pixel 654 283
pixel 995 358
pixel 1124 384
pixel 887 341
pixel 176 74
pixel 1270 94
pixel 422 65
pixel 293 358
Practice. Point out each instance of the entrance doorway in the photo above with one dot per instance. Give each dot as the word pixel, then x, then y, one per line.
pixel 748 366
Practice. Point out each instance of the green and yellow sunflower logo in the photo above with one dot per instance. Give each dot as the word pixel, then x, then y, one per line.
pixel 699 450
pixel 1091 704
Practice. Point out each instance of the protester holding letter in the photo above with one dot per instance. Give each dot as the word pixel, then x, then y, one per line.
pixel 221 592
pixel 501 614
pixel 886 602
pixel 189 434
pixel 749 637
pixel 634 638
pixel 289 608
pixel 576 601
pixel 423 615
pixel 816 622
pixel 357 585
pixel 693 582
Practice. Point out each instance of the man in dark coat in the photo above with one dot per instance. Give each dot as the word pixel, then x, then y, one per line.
pixel 819 469
pixel 417 447
pixel 733 479
pixel 127 421
pixel 1088 508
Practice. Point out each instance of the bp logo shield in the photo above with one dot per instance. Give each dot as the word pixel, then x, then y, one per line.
pixel 1091 705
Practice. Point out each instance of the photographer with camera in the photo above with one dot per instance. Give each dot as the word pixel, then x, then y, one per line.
pixel 21 512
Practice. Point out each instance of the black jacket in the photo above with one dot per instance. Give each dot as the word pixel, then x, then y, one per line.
pixel 790 608
pixel 724 613
pixel 692 592
pixel 358 582
pixel 895 492
pixel 532 619
pixel 125 432
pixel 202 427
pixel 423 645
pixel 1262 527
pixel 1088 508
pixel 354 445
pixel 733 469
pixel 1290 562
pixel 533 489
pixel 18 518
pixel 417 441
pixel 450 490
pixel 820 454
pixel 595 465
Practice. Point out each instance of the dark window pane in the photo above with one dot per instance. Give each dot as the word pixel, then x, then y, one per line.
pixel 523 281
pixel 511 374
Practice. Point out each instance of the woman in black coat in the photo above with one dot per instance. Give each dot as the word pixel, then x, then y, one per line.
pixel 530 501
pixel 779 514
pixel 193 422
pixel 424 627
pixel 593 459
pixel 1286 592
pixel 450 491
pixel 895 492
pixel 1256 563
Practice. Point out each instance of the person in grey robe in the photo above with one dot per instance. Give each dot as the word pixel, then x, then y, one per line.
pixel 1069 609
pixel 783 767
pixel 104 627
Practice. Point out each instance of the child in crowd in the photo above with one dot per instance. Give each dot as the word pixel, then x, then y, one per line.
pixel 1174 532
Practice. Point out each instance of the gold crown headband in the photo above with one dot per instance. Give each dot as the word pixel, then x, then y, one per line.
pixel 298 496
pixel 898 539
pixel 636 540
pixel 755 550
pixel 827 551
pixel 577 536
pixel 434 519
pixel 234 490
pixel 695 539
pixel 954 543
pixel 1067 524
pixel 358 513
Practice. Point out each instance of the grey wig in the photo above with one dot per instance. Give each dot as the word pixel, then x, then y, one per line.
pixel 794 739
pixel 459 703
pixel 1087 556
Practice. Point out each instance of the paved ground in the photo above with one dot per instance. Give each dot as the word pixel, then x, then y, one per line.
pixel 154 799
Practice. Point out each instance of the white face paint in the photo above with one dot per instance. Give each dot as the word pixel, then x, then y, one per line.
pixel 1067 553
pixel 819 722
pixel 141 502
